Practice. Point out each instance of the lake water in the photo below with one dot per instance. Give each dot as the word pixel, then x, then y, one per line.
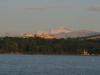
pixel 49 65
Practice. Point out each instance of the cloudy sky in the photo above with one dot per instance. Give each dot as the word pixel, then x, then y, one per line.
pixel 39 15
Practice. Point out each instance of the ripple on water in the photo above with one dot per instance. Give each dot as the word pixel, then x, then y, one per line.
pixel 49 65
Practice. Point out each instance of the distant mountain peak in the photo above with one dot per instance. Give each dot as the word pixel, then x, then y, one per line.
pixel 60 30
pixel 78 33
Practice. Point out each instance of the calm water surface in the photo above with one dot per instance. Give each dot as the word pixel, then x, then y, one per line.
pixel 49 65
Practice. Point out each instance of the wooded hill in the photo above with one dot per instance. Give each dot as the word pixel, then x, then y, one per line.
pixel 75 46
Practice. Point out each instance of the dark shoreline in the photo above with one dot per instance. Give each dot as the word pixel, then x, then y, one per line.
pixel 46 54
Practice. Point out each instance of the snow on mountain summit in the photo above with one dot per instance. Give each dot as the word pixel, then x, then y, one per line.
pixel 60 30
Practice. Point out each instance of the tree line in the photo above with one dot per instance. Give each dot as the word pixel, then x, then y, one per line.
pixel 49 46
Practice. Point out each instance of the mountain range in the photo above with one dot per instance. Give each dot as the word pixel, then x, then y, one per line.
pixel 57 33
pixel 67 33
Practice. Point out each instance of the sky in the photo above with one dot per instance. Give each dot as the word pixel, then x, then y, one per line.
pixel 40 15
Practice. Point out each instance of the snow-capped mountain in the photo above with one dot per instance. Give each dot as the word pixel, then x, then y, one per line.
pixel 56 33
pixel 63 33
pixel 74 34
pixel 59 31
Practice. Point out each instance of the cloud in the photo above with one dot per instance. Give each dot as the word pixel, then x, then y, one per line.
pixel 94 8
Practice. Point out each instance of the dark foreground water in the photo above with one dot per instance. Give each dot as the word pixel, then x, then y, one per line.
pixel 49 65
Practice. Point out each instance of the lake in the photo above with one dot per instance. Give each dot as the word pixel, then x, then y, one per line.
pixel 49 65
